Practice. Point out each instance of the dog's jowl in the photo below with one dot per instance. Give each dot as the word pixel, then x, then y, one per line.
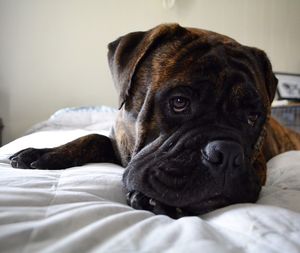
pixel 194 130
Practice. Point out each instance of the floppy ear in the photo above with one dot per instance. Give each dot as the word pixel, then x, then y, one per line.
pixel 125 53
pixel 267 72
pixel 123 57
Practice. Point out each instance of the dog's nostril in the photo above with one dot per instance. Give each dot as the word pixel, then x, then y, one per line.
pixel 225 154
pixel 238 160
pixel 212 155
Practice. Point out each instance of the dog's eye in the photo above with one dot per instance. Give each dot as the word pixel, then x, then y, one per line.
pixel 179 104
pixel 252 119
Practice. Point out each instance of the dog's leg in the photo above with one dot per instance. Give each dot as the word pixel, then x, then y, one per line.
pixel 87 149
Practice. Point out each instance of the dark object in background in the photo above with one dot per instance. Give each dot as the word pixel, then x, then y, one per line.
pixel 288 86
pixel 288 115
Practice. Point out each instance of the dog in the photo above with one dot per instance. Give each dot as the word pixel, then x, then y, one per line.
pixel 194 129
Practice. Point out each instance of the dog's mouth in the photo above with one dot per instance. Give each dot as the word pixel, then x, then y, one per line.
pixel 140 201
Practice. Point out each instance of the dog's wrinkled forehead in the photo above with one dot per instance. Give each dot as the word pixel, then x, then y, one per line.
pixel 186 54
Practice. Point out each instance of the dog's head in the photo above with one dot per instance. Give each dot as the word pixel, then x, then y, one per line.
pixel 193 105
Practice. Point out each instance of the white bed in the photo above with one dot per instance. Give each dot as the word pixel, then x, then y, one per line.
pixel 83 209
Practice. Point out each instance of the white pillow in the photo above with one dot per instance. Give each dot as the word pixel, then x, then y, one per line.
pixel 85 117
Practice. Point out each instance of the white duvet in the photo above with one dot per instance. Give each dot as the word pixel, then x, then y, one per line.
pixel 83 209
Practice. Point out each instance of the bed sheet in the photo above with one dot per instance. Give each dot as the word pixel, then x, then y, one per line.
pixel 83 209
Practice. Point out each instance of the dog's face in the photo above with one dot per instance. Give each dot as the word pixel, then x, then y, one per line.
pixel 194 104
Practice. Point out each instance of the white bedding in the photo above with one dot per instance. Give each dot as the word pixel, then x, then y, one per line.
pixel 83 209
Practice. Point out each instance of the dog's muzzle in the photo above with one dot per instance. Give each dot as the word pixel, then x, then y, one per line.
pixel 190 177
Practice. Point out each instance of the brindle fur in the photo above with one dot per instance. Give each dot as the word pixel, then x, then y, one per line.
pixel 132 126
pixel 143 66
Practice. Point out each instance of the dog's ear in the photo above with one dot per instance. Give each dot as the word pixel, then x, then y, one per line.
pixel 125 54
pixel 123 57
pixel 267 72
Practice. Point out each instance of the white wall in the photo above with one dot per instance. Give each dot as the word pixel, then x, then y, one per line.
pixel 53 52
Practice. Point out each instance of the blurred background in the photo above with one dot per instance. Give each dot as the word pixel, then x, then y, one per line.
pixel 53 52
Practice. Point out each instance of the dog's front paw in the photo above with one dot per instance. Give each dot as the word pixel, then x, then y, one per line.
pixel 32 158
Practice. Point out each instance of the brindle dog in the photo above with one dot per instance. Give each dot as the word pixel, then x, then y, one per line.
pixel 194 112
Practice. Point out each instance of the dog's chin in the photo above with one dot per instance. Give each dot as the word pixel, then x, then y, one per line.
pixel 140 201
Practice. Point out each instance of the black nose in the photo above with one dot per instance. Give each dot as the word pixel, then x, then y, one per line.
pixel 223 155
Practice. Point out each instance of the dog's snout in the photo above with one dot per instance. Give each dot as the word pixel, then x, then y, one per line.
pixel 223 155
